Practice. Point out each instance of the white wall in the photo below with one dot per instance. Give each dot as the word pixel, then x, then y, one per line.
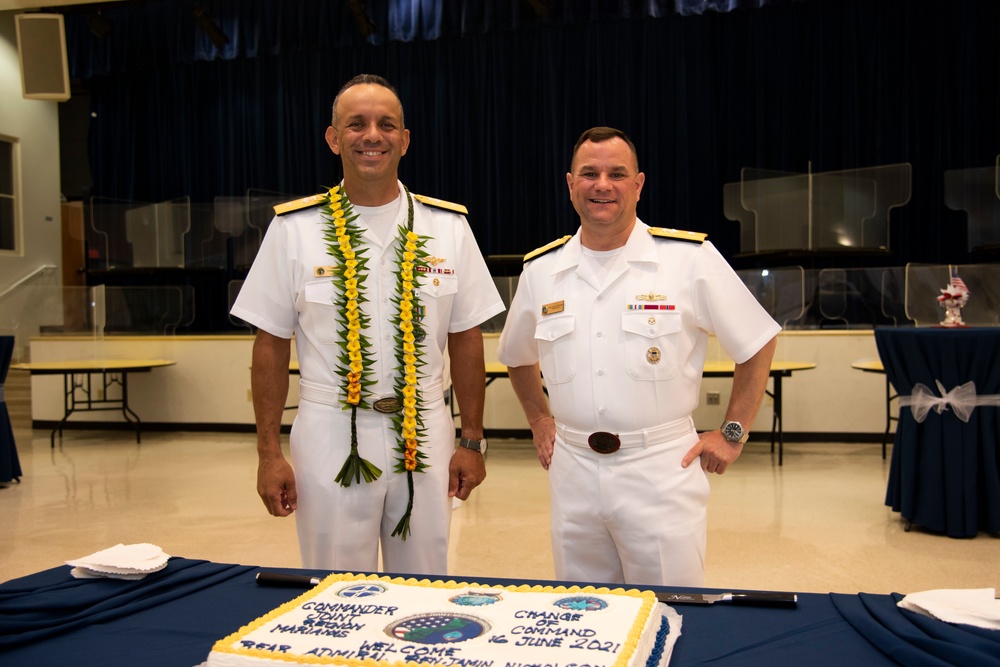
pixel 211 381
pixel 35 125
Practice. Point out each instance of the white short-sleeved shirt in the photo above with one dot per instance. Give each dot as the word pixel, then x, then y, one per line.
pixel 283 295
pixel 610 366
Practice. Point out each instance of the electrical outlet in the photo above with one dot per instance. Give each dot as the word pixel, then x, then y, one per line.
pixel 712 398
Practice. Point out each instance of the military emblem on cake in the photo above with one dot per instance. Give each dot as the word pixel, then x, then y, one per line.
pixel 361 591
pixel 475 598
pixel 438 628
pixel 581 603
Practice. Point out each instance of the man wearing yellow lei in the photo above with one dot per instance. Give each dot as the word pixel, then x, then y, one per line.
pixel 375 284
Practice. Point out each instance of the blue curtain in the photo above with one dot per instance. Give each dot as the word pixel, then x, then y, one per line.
pixel 496 94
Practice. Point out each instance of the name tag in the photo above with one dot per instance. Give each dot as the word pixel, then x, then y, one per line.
pixel 554 307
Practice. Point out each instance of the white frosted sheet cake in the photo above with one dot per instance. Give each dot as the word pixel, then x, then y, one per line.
pixel 379 621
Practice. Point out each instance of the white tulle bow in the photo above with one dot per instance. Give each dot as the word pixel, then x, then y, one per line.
pixel 961 399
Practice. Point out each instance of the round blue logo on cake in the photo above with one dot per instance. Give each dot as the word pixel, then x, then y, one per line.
pixel 438 628
pixel 475 598
pixel 364 590
pixel 581 603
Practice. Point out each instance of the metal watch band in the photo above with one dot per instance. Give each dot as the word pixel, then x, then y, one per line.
pixel 475 445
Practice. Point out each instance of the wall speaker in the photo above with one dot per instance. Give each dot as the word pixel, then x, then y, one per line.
pixel 41 48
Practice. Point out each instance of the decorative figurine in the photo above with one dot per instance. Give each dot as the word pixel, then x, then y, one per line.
pixel 952 299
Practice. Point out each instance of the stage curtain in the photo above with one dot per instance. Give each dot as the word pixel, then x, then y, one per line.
pixel 495 95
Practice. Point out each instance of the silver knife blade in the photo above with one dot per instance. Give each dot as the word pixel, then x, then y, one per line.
pixel 748 598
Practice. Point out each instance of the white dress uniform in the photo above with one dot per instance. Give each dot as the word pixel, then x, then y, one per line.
pixel 288 291
pixel 621 351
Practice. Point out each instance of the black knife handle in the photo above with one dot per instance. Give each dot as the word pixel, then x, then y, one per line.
pixel 286 580
pixel 765 599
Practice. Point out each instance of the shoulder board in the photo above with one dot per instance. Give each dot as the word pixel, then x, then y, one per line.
pixel 299 204
pixel 538 252
pixel 440 203
pixel 678 234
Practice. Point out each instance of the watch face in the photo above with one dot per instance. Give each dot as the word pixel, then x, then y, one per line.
pixel 733 431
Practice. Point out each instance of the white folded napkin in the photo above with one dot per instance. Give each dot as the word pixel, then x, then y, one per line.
pixel 122 561
pixel 970 606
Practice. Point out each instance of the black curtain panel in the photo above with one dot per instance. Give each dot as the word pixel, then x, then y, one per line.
pixel 495 94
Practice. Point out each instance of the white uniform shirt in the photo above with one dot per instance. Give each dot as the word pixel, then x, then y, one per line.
pixel 610 368
pixel 283 295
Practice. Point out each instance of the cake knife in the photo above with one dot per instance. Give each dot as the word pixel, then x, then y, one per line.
pixel 750 598
pixel 286 580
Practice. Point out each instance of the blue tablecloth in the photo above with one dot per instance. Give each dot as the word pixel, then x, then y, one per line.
pixel 10 465
pixel 945 473
pixel 172 618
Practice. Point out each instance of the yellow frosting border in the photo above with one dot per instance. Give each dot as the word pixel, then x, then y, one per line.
pixel 226 645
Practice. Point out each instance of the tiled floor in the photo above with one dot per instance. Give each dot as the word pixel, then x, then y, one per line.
pixel 817 523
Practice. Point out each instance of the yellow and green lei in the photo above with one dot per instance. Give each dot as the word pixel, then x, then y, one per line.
pixel 346 247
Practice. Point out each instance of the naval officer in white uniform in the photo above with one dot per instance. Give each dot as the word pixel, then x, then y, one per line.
pixel 617 319
pixel 293 289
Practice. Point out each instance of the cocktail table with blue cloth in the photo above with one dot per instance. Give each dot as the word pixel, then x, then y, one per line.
pixel 10 464
pixel 945 472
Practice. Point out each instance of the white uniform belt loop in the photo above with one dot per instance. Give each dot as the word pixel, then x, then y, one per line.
pixel 645 438
pixel 327 395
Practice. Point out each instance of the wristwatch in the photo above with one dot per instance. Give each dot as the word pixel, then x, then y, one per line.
pixel 475 445
pixel 734 432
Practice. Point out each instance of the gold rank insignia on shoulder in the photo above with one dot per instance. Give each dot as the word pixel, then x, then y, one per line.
pixel 298 204
pixel 538 252
pixel 678 234
pixel 440 203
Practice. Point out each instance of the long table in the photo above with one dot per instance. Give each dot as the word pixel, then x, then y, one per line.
pixel 713 369
pixel 779 370
pixel 717 369
pixel 82 394
pixel 173 617
pixel 875 366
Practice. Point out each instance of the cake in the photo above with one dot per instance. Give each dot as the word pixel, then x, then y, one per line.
pixel 367 620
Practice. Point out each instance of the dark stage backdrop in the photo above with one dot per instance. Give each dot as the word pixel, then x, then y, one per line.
pixel 496 93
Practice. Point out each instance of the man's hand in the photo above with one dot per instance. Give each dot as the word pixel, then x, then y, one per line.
pixel 543 433
pixel 715 451
pixel 466 472
pixel 276 485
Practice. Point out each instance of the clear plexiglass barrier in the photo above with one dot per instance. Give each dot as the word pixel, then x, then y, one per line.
pixel 924 283
pixel 977 192
pixel 95 312
pixel 865 298
pixel 224 233
pixel 837 210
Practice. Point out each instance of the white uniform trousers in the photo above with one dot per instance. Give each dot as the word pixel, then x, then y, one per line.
pixel 633 516
pixel 339 528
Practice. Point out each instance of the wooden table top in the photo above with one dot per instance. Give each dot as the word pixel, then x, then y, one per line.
pixel 92 365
